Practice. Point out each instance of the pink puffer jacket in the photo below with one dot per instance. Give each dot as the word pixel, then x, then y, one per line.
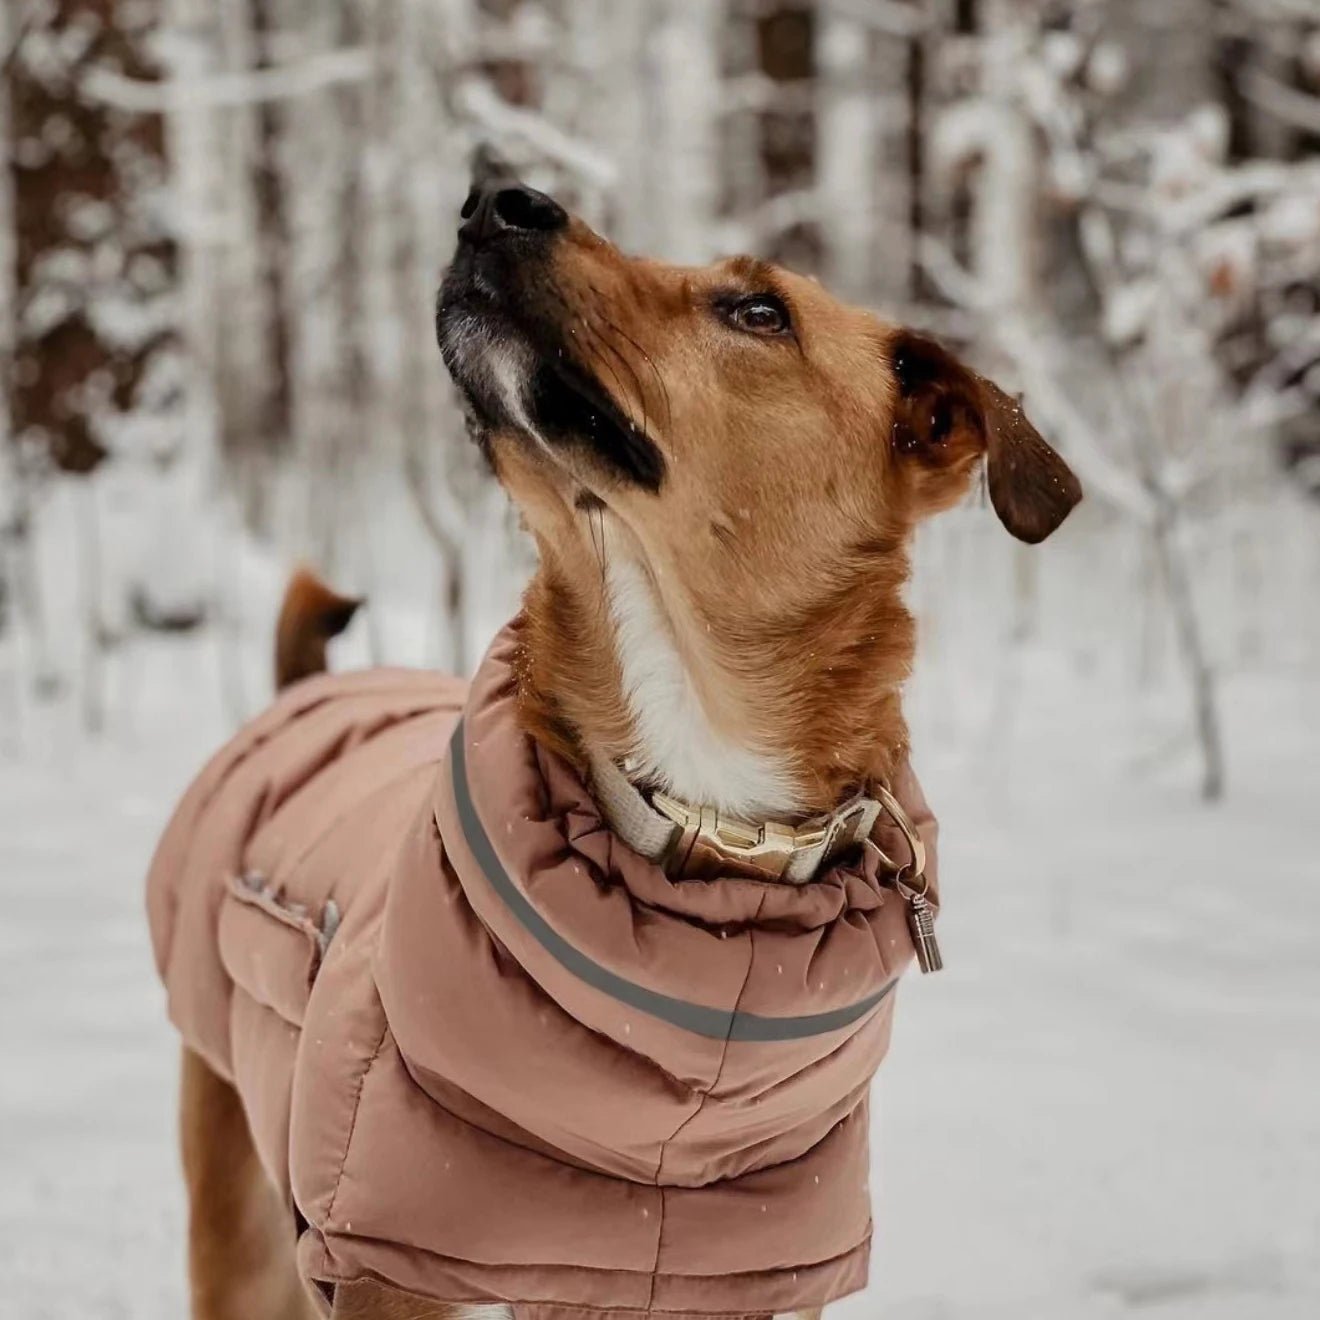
pixel 487 1051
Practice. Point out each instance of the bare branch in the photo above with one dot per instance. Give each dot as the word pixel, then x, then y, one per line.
pixel 479 102
pixel 308 76
pixel 775 216
pixel 1278 99
pixel 26 22
pixel 1031 358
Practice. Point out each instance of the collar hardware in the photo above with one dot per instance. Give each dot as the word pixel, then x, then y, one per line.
pixel 695 842
pixel 768 847
pixel 698 843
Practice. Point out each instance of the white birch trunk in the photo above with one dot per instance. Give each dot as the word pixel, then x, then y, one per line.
pixel 684 160
pixel 893 243
pixel 619 119
pixel 1004 221
pixel 241 353
pixel 846 146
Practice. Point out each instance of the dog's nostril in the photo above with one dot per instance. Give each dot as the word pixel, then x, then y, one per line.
pixel 525 208
pixel 513 209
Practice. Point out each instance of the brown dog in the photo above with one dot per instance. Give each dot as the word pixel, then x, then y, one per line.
pixel 722 469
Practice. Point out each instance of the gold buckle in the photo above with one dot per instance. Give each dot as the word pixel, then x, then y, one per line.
pixel 769 846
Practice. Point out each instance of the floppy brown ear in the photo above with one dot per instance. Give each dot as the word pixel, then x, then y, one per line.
pixel 946 417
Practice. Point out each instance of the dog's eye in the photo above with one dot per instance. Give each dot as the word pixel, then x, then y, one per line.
pixel 760 314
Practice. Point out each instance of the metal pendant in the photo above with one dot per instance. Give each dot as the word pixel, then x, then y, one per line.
pixel 921 924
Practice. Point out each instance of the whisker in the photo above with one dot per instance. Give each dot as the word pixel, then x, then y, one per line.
pixel 597 529
pixel 594 335
pixel 622 358
pixel 572 315
pixel 599 339
pixel 623 334
pixel 655 371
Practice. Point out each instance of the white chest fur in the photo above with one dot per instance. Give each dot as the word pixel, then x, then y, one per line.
pixel 677 746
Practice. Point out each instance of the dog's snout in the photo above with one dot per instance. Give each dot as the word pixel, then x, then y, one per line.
pixel 503 207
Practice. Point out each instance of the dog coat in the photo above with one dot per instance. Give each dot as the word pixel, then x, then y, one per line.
pixel 489 1053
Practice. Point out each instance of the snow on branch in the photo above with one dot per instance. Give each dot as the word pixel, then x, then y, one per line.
pixel 314 74
pixel 1099 474
pixel 26 22
pixel 775 216
pixel 1032 360
pixel 1278 99
pixel 477 100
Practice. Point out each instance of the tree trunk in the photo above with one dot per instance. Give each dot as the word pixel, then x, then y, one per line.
pixel 619 68
pixel 1004 220
pixel 915 94
pixel 687 77
pixel 95 360
pixel 275 409
pixel 1172 559
pixel 516 80
pixel 847 143
pixel 786 48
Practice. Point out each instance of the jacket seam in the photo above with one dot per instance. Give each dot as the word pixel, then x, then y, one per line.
pixel 352 1124
pixel 259 739
pixel 701 1104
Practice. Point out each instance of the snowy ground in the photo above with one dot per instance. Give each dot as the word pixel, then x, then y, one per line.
pixel 1106 1106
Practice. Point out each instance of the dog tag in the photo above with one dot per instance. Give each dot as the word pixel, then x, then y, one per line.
pixel 921 925
pixel 920 910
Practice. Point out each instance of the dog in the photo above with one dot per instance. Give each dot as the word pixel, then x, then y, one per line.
pixel 562 994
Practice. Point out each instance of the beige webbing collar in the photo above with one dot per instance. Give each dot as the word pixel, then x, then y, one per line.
pixel 699 843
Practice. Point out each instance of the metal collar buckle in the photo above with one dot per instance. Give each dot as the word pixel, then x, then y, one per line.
pixel 769 846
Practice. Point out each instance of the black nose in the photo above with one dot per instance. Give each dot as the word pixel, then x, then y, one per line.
pixel 503 207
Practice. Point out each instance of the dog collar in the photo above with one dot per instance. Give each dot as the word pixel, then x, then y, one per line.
pixel 698 842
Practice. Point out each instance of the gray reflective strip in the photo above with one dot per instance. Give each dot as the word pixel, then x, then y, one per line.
pixel 717 1023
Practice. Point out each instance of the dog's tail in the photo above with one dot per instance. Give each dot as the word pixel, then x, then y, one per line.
pixel 309 617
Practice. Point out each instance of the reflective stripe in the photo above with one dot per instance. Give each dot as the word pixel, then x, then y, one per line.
pixel 716 1023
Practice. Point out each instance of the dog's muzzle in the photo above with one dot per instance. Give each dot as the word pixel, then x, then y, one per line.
pixel 507 331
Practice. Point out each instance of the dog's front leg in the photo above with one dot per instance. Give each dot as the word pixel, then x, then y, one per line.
pixel 241 1262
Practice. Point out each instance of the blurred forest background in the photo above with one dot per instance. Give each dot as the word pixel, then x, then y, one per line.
pixel 222 223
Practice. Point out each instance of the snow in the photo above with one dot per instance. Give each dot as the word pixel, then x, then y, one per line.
pixel 1104 1107
pixel 1106 1104
pixel 91 1202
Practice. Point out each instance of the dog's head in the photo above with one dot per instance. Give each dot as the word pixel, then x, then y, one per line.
pixel 761 449
pixel 735 401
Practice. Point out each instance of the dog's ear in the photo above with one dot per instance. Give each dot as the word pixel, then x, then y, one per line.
pixel 946 417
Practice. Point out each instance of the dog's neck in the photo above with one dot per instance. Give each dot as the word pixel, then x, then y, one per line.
pixel 677 745
pixel 783 726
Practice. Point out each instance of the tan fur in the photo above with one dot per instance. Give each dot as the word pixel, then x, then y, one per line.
pixel 240 1237
pixel 310 615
